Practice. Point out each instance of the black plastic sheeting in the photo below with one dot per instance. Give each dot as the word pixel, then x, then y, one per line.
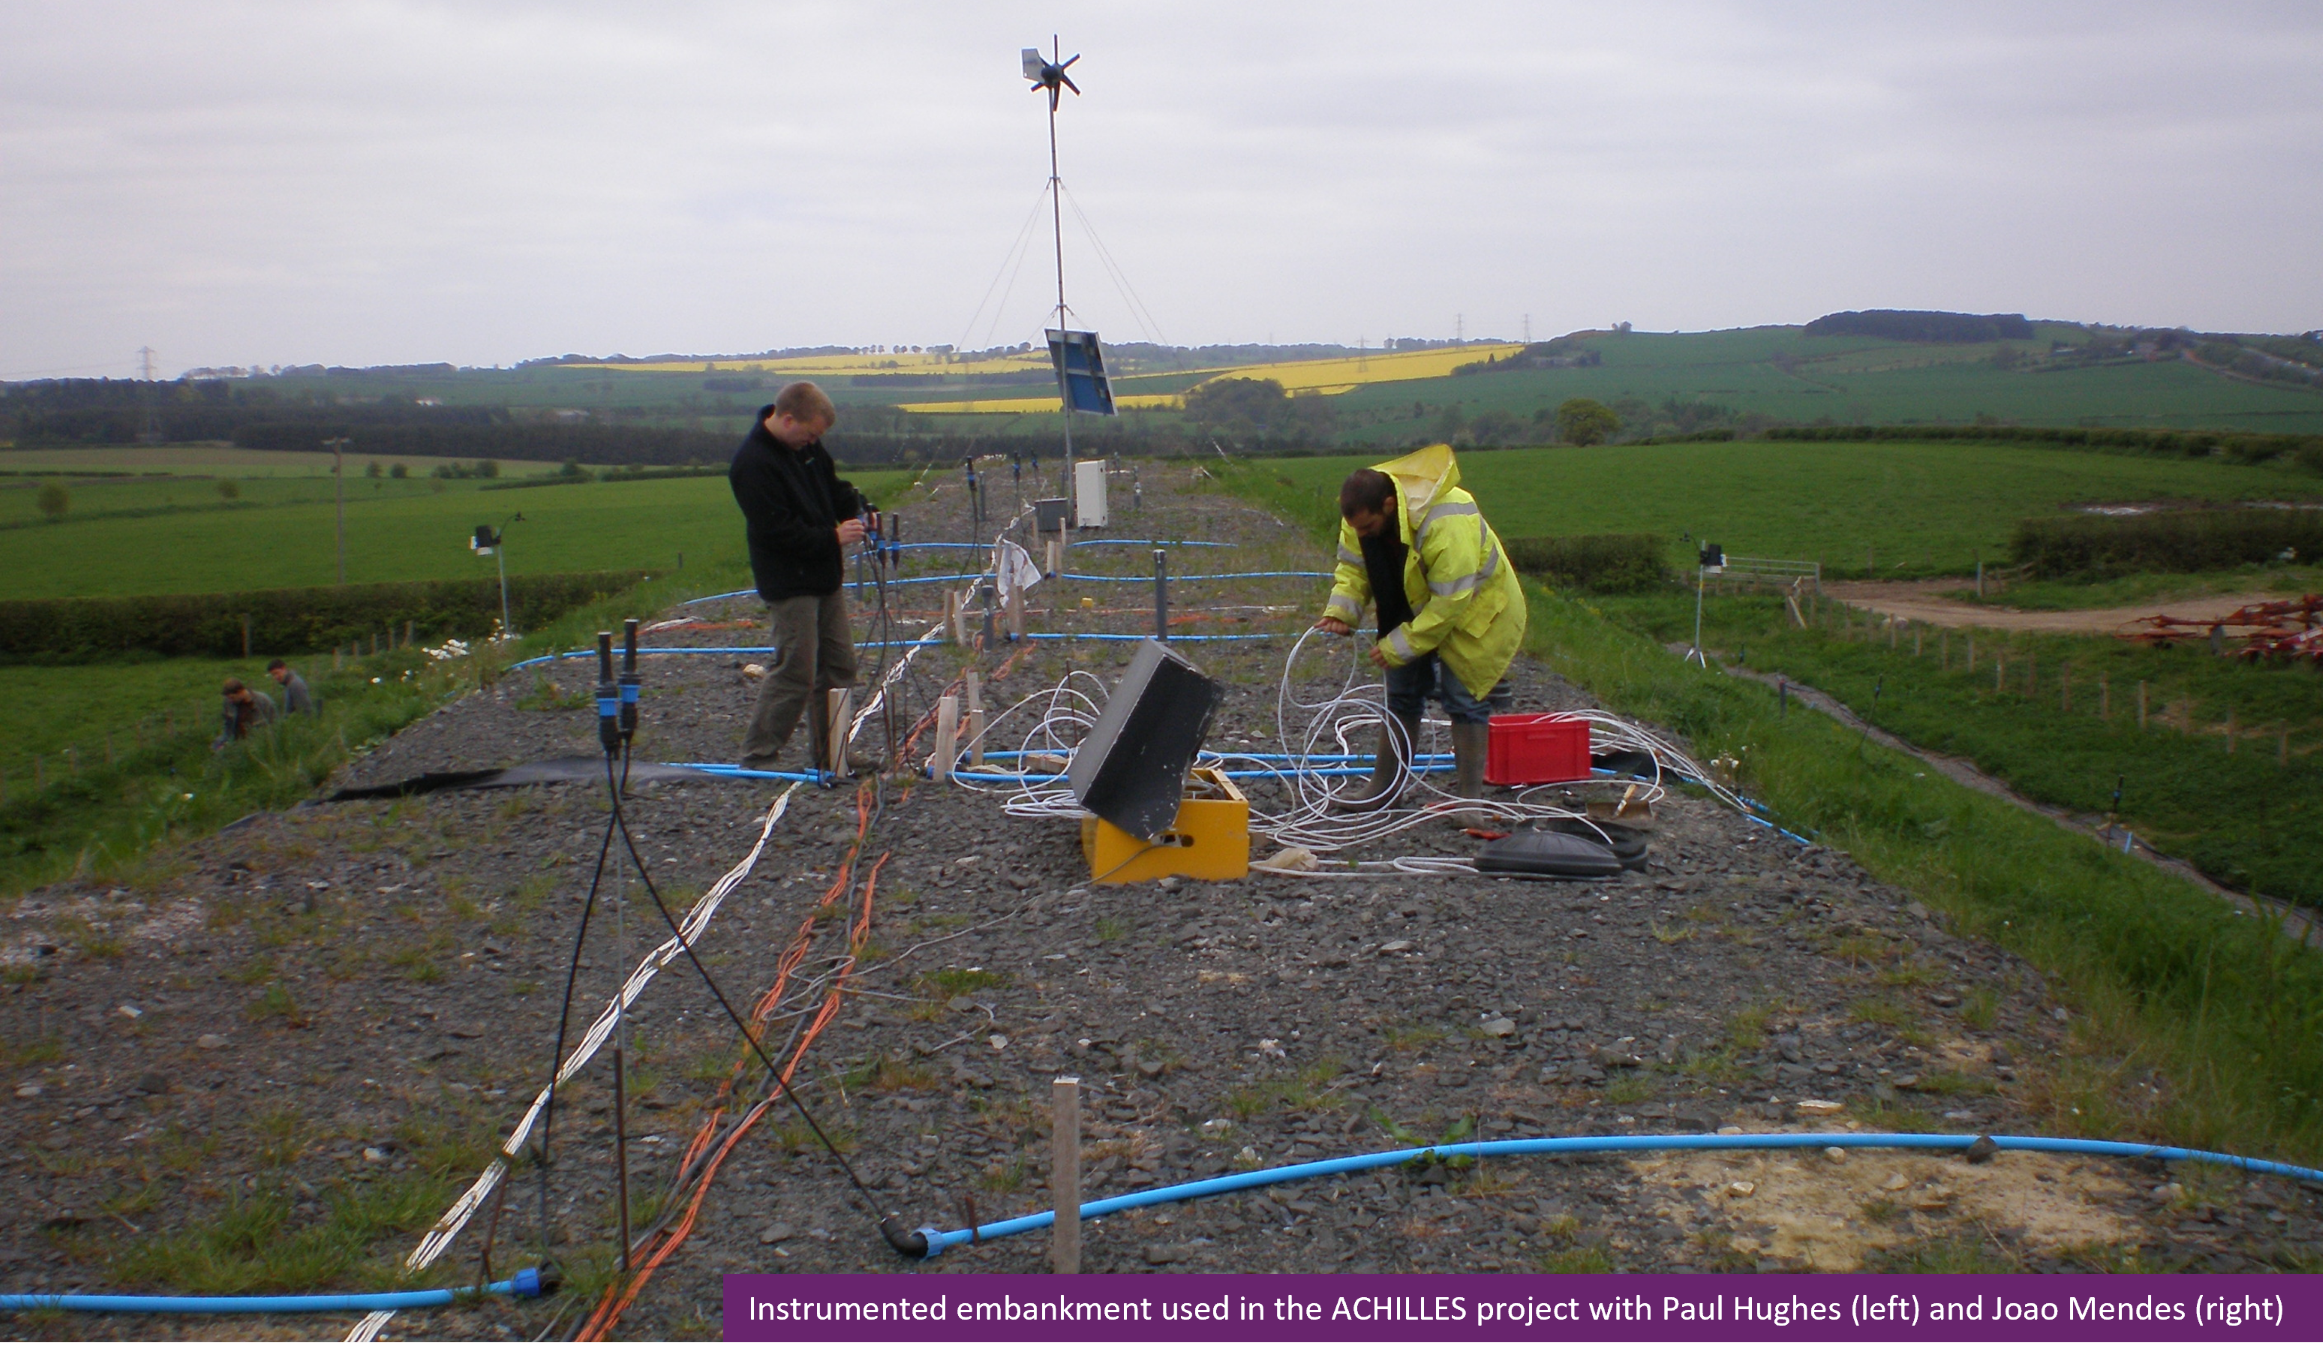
pixel 565 770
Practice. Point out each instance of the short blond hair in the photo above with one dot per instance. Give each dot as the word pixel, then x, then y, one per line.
pixel 804 401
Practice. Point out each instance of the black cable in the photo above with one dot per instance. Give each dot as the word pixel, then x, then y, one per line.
pixel 889 1225
pixel 564 1020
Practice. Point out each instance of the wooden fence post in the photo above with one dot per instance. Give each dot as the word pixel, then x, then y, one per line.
pixel 2230 729
pixel 2104 699
pixel 2283 748
pixel 245 636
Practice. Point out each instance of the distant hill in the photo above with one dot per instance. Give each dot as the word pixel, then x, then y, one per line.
pixel 1921 326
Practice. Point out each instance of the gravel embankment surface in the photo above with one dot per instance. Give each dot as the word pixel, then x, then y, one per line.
pixel 308 1017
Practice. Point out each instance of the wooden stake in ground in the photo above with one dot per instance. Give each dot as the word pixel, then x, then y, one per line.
pixel 1999 673
pixel 947 728
pixel 1065 1173
pixel 2230 729
pixel 842 716
pixel 2141 706
pixel 975 718
pixel 2104 699
pixel 2283 748
pixel 2065 689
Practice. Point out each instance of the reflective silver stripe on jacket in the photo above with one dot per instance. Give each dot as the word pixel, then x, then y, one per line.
pixel 1347 555
pixel 1475 579
pixel 1441 509
pixel 1400 645
pixel 1342 601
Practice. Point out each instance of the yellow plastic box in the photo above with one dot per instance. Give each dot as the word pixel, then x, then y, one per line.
pixel 1209 840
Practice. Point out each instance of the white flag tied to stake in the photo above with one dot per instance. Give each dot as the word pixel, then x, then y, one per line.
pixel 1013 569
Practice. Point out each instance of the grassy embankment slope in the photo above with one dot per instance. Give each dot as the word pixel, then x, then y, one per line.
pixel 2191 1024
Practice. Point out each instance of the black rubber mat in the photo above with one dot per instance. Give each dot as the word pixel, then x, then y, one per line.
pixel 565 770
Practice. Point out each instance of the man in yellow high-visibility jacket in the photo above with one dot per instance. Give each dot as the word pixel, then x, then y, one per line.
pixel 1451 612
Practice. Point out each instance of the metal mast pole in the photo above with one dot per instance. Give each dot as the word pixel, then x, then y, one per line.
pixel 1057 233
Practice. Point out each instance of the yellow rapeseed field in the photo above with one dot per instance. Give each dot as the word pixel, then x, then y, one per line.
pixel 842 364
pixel 1039 403
pixel 1338 375
pixel 1335 375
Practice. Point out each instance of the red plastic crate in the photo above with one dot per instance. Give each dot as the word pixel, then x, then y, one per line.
pixel 1537 749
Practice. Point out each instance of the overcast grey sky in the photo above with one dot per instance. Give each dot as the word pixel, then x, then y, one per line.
pixel 491 180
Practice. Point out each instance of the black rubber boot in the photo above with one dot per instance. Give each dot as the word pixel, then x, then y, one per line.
pixel 1378 792
pixel 1470 742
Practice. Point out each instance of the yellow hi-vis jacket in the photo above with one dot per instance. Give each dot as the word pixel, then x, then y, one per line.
pixel 1467 604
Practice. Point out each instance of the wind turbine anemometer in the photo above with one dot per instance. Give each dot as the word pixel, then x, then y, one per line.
pixel 1049 74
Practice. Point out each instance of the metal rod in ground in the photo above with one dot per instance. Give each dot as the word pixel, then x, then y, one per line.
pixel 1161 595
pixel 1065 1173
pixel 621 1149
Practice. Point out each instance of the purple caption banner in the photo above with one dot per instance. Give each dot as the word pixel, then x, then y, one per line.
pixel 1181 1307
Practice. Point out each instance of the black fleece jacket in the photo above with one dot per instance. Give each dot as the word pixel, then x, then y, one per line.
pixel 792 503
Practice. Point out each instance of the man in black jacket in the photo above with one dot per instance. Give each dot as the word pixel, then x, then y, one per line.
pixel 801 519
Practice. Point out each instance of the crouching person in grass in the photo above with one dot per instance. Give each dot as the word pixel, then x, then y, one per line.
pixel 244 712
pixel 1451 612
pixel 801 518
pixel 296 698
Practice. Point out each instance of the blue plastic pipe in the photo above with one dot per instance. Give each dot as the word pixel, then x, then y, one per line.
pixel 1139 638
pixel 1032 781
pixel 940 1240
pixel 737 772
pixel 1440 759
pixel 972 577
pixel 525 1285
pixel 1188 577
pixel 1077 544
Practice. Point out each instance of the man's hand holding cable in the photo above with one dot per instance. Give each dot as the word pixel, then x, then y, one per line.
pixel 851 532
pixel 1332 624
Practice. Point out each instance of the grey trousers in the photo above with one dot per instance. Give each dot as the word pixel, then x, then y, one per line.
pixel 814 653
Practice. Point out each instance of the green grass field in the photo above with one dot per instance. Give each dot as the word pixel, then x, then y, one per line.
pixel 1784 375
pixel 215 461
pixel 1918 509
pixel 399 531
